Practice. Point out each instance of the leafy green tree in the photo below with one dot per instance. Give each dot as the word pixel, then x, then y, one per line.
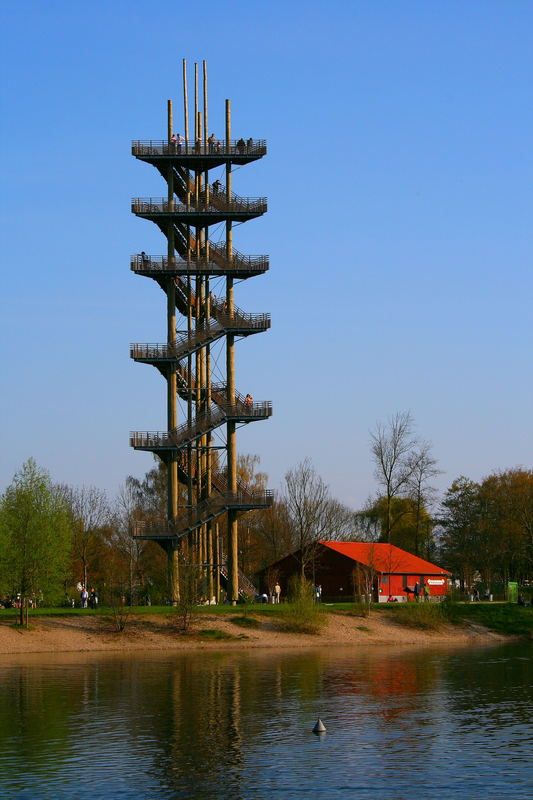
pixel 488 527
pixel 507 523
pixel 35 536
pixel 460 520
pixel 151 491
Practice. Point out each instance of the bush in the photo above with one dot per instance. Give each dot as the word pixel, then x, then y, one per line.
pixel 187 605
pixel 361 608
pixel 120 612
pixel 301 614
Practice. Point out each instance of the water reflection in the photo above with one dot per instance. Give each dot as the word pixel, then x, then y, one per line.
pixel 221 725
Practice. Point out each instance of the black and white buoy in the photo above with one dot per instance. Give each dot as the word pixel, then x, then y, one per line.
pixel 319 727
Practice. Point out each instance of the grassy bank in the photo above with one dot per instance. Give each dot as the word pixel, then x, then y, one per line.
pixel 503 618
pixel 508 619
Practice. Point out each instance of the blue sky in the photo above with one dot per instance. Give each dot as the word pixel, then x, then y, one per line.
pixel 399 187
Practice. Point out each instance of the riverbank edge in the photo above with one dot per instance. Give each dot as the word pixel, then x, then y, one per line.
pixel 145 633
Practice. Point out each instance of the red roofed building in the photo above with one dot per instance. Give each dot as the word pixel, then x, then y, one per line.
pixel 344 569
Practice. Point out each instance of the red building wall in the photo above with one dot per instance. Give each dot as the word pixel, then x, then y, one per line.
pixel 395 585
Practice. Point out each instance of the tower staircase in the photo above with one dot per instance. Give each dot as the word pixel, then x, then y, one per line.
pixel 192 204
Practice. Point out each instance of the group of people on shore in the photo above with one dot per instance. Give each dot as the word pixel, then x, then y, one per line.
pixel 273 596
pixel 15 601
pixel 88 599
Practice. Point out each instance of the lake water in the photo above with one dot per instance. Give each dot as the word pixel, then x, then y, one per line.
pixel 402 723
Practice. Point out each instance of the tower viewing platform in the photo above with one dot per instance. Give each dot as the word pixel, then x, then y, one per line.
pixel 216 265
pixel 199 155
pixel 200 212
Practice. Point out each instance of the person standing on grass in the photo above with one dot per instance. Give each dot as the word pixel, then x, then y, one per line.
pixel 277 593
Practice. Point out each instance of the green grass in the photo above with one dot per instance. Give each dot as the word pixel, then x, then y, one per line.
pixel 505 618
pixel 106 610
pixel 245 622
pixel 215 635
pixel 56 611
pixel 508 619
pixel 351 609
pixel 8 613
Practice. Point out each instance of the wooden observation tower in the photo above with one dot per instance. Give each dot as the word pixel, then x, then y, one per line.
pixel 197 276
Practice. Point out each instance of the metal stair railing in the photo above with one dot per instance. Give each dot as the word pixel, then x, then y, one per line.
pixel 192 518
pixel 219 480
pixel 186 344
pixel 185 190
pixel 217 250
pixel 246 586
pixel 240 319
pixel 202 423
pixel 218 390
pixel 183 346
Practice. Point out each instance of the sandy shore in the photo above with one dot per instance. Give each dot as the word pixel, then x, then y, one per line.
pixel 157 632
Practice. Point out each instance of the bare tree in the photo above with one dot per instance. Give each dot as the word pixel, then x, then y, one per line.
pixel 126 511
pixel 312 513
pixel 423 469
pixel 273 534
pixel 90 514
pixel 392 447
pixel 191 580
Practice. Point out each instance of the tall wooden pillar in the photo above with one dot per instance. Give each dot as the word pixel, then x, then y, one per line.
pixel 233 526
pixel 172 404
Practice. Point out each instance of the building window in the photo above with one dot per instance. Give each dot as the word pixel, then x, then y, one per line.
pixel 384 579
